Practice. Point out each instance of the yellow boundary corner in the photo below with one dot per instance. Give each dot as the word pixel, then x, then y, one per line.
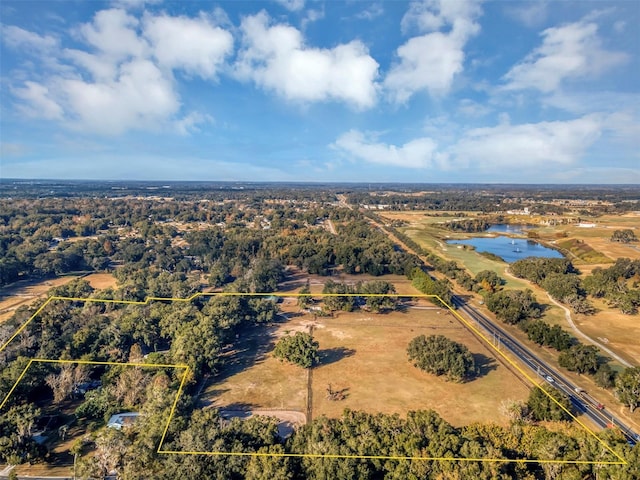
pixel 160 450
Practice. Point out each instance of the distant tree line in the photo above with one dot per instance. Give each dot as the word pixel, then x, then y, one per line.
pixel 471 225
pixel 344 297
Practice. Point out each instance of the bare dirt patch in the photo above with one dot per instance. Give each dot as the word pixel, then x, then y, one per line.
pixel 101 281
pixel 25 292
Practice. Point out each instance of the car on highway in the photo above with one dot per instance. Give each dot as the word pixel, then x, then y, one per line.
pixel 549 379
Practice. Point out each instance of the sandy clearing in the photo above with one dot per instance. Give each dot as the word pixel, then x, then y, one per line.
pixel 101 281
pixel 25 292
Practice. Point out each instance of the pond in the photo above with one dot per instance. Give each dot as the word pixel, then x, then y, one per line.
pixel 509 249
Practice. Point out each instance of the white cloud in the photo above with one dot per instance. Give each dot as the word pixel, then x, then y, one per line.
pixel 114 34
pixel 120 77
pixel 372 11
pixel 276 58
pixel 471 108
pixel 190 123
pixel 570 51
pixel 140 97
pixel 142 166
pixel 312 16
pixel 431 61
pixel 619 26
pixel 13 149
pixel 418 153
pixel 19 38
pixel 292 5
pixel 529 14
pixel 527 145
pixel 194 45
pixel 428 62
pixel 521 147
pixel 38 101
pixel 432 15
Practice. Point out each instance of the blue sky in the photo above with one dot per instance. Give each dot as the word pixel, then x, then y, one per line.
pixel 306 90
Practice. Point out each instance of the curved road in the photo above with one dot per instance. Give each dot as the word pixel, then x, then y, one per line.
pixel 567 314
pixel 582 403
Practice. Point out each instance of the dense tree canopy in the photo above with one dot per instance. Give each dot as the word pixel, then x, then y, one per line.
pixel 513 306
pixel 628 387
pixel 624 236
pixel 439 355
pixel 543 407
pixel 300 349
pixel 580 358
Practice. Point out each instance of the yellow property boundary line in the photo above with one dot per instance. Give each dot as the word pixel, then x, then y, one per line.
pixel 621 461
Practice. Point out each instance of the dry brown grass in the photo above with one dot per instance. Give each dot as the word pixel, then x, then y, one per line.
pixel 617 331
pixel 25 292
pixel 254 378
pixel 101 280
pixel 364 354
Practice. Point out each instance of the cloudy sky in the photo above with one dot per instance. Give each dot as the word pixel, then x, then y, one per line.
pixel 307 90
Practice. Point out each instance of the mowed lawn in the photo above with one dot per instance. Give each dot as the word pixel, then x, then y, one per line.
pixel 364 356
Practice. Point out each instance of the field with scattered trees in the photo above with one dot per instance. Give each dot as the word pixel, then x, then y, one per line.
pixel 363 369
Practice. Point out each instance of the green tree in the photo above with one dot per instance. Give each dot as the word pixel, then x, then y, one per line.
pixel 625 236
pixel 378 303
pixel 580 358
pixel 513 306
pixel 488 280
pixel 562 286
pixel 304 300
pixel 439 355
pixel 543 407
pixel 300 349
pixel 335 300
pixel 442 288
pixel 628 387
pixel 605 376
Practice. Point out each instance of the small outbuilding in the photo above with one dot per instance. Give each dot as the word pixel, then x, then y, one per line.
pixel 120 420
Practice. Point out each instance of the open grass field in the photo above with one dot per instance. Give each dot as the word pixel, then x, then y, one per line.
pixel 619 332
pixel 254 379
pixel 25 292
pixel 598 237
pixel 100 281
pixel 364 355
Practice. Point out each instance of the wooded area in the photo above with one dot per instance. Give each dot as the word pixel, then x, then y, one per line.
pixel 247 242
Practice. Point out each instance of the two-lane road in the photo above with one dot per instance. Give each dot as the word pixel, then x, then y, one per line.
pixel 582 403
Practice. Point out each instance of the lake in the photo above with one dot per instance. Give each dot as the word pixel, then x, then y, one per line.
pixel 509 249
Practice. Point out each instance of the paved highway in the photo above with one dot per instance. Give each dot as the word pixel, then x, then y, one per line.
pixel 582 403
